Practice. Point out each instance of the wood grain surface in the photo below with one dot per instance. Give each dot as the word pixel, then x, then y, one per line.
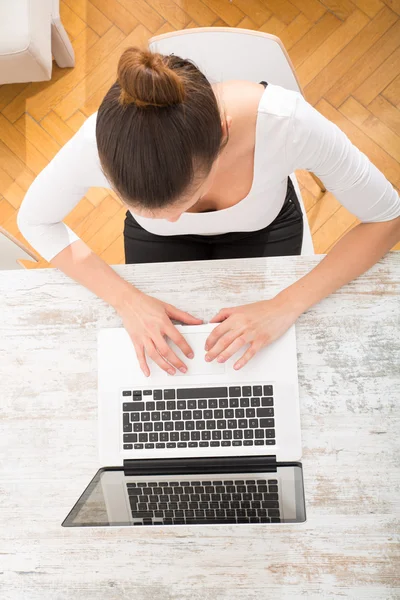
pixel 349 375
pixel 346 54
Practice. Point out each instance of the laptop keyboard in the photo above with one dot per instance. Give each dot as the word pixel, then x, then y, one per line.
pixel 188 502
pixel 198 417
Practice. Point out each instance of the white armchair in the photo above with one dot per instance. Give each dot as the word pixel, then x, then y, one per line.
pixel 31 33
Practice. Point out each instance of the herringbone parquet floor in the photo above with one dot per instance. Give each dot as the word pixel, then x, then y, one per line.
pixel 346 54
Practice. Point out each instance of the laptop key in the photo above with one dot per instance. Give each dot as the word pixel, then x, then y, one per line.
pixel 266 423
pixel 255 402
pixel 265 412
pixel 127 393
pixel 268 390
pixel 246 390
pixel 145 416
pixel 192 404
pixel 138 446
pixel 171 445
pixel 130 437
pixel 237 443
pixel 202 403
pixel 171 405
pixel 223 403
pixel 259 442
pixel 149 446
pixel 244 402
pixel 214 444
pixel 131 406
pixel 193 444
pixel 234 402
pixel 235 391
pixel 225 443
pixel 248 443
pixel 169 395
pixel 160 445
pixel 270 433
pixel 212 392
pixel 267 401
pixel 211 425
pixel 203 444
pixel 181 405
pixel 182 444
pixel 270 442
pixel 128 446
pixel 257 390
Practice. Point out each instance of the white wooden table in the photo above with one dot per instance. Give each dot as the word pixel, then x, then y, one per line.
pixel 349 371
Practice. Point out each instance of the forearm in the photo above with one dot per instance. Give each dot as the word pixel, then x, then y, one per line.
pixel 85 267
pixel 354 254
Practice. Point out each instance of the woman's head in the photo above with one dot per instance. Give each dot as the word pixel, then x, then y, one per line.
pixel 159 133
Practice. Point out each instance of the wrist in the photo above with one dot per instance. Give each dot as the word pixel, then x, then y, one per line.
pixel 294 300
pixel 123 298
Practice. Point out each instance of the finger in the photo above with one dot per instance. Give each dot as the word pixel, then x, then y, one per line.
pixel 142 359
pixel 167 353
pixel 181 315
pixel 179 341
pixel 158 359
pixel 216 333
pixel 238 343
pixel 223 314
pixel 224 342
pixel 250 352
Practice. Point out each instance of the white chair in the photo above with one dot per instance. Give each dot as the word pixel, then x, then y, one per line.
pixel 31 33
pixel 224 53
pixel 12 251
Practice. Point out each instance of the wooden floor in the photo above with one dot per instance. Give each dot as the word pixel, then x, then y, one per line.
pixel 346 54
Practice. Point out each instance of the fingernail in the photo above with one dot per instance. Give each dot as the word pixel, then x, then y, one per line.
pixel 191 355
pixel 237 366
pixel 171 371
pixel 208 358
pixel 206 347
pixel 220 359
pixel 182 369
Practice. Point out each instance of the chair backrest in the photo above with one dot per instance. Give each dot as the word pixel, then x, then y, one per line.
pixel 11 250
pixel 223 53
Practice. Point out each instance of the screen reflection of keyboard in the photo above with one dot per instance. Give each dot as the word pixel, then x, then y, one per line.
pixel 198 502
pixel 198 417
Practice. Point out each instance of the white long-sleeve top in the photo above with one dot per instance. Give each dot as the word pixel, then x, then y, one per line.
pixel 290 134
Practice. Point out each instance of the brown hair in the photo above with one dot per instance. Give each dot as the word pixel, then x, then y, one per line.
pixel 158 129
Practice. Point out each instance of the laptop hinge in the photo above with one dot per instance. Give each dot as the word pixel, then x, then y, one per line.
pixel 191 466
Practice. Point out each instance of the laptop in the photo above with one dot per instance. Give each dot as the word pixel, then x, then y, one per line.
pixel 211 446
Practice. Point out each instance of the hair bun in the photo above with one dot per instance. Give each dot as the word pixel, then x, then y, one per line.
pixel 146 80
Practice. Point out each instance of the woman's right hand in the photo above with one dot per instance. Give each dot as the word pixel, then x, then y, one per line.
pixel 148 321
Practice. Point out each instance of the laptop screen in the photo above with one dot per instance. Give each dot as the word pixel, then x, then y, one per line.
pixel 115 499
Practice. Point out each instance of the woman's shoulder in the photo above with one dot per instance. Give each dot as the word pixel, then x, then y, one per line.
pixel 240 96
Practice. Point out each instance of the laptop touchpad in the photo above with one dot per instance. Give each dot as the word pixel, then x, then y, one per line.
pixel 198 364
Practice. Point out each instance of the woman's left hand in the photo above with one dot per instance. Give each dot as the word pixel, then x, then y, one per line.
pixel 257 324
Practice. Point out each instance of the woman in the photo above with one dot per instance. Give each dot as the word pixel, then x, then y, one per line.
pixel 204 173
